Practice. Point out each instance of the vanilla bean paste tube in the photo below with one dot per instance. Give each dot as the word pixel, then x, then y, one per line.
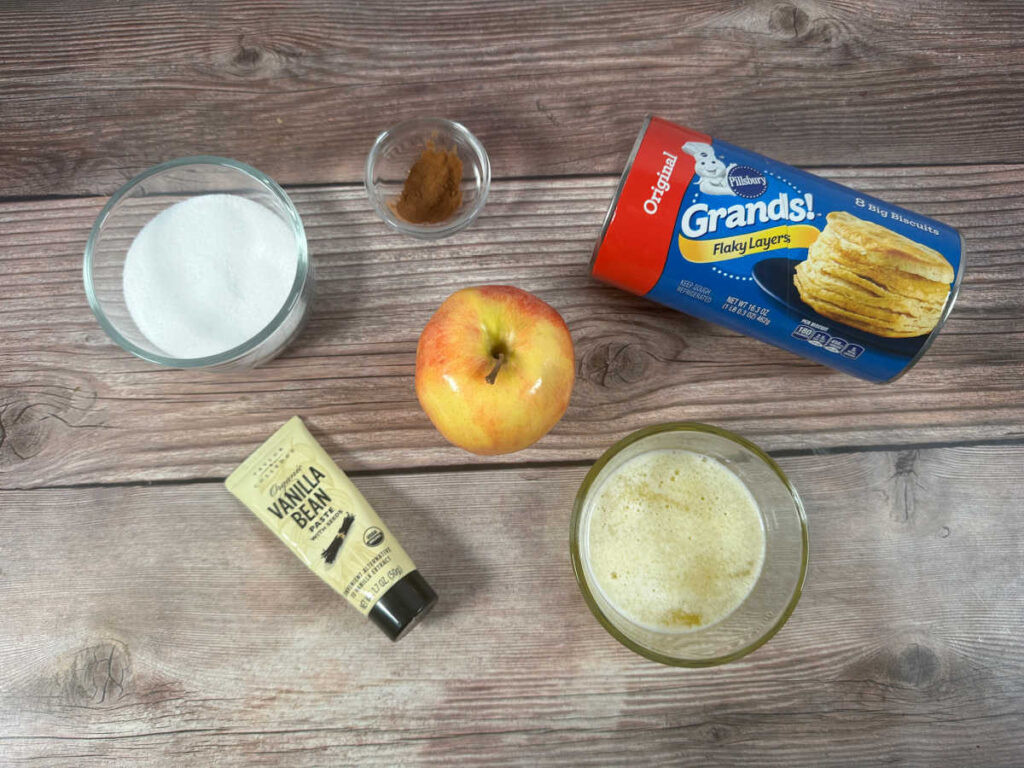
pixel 293 486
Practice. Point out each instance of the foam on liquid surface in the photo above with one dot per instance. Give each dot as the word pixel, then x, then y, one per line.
pixel 208 274
pixel 676 540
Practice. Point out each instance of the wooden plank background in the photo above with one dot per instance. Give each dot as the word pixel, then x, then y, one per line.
pixel 147 618
pixel 96 91
pixel 81 400
pixel 903 647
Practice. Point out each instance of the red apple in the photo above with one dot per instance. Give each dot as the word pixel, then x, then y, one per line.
pixel 494 369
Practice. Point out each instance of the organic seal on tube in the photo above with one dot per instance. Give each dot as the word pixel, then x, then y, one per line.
pixel 293 486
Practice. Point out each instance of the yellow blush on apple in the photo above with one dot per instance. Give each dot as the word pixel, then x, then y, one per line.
pixel 494 369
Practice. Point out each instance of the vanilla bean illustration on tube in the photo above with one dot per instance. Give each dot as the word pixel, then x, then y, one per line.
pixel 331 553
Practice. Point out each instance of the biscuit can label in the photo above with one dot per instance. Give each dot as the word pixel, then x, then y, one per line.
pixel 773 252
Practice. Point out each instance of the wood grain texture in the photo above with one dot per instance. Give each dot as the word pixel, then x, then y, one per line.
pixel 161 624
pixel 74 408
pixel 94 92
pixel 157 625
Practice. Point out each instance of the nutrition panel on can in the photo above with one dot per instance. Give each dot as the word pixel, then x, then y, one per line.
pixel 730 236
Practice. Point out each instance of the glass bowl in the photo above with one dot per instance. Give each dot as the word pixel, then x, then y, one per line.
pixel 395 151
pixel 149 193
pixel 776 591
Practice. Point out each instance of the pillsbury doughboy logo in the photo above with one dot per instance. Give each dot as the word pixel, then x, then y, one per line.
pixel 746 181
pixel 712 173
pixel 714 177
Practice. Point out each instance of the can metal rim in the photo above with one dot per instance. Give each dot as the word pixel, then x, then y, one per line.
pixel 618 189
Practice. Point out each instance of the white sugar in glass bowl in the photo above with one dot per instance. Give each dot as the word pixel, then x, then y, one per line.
pixel 235 264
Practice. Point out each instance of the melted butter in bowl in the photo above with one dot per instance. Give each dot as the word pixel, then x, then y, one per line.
pixel 676 540
pixel 689 544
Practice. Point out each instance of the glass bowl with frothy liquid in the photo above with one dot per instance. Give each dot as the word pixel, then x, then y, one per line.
pixel 689 544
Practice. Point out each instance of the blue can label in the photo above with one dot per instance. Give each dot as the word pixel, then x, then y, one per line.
pixel 725 234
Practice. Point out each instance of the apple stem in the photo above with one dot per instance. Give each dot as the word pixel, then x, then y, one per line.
pixel 499 361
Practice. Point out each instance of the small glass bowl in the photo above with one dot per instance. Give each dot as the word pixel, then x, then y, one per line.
pixel 142 198
pixel 777 590
pixel 395 151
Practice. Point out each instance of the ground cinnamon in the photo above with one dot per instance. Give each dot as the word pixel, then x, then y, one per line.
pixel 433 188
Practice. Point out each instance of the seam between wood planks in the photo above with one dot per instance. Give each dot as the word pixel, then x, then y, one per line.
pixel 441 469
pixel 355 184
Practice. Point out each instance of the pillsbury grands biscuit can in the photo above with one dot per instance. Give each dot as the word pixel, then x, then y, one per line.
pixel 768 250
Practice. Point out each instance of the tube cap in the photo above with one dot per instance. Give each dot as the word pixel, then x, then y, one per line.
pixel 401 607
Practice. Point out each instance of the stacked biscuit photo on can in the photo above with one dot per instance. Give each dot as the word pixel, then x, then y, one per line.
pixel 871 278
